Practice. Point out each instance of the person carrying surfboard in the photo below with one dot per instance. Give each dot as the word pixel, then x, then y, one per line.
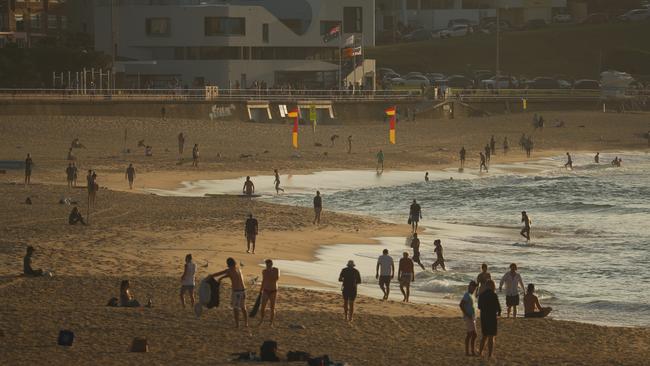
pixel 238 294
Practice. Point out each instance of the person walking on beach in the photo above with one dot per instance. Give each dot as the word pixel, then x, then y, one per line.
pixel 461 154
pixel 522 141
pixel 483 165
pixel 29 165
pixel 318 208
pixel 597 158
pixel 350 279
pixel 415 244
pixel 350 144
pixel 525 231
pixel 130 175
pixel 415 214
pixel 487 153
pixel 188 280
pixel 493 146
pixel 482 279
pixel 426 176
pixel 277 182
pixel 469 316
pixel 238 289
pixel 249 187
pixel 440 260
pixel 405 275
pixel 69 172
pixel 385 272
pixel 512 279
pixel 488 304
pixel 269 289
pixel 506 145
pixel 250 232
pixel 181 144
pixel 531 302
pixel 380 161
pixel 569 162
pixel 92 186
pixel 195 156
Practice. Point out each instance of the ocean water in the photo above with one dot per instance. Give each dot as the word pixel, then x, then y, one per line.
pixel 589 255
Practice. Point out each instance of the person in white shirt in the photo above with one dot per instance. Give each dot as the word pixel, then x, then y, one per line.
pixel 512 279
pixel 188 280
pixel 385 272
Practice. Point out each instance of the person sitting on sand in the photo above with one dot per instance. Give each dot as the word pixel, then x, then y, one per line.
pixel 440 260
pixel 488 304
pixel 188 280
pixel 249 187
pixel 415 244
pixel 350 279
pixel 405 275
pixel 269 289
pixel 469 316
pixel 127 299
pixel 250 232
pixel 318 207
pixel 27 264
pixel 531 302
pixel 482 279
pixel 415 214
pixel 238 290
pixel 75 217
pixel 385 272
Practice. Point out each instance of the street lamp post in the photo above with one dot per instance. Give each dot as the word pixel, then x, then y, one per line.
pixel 498 60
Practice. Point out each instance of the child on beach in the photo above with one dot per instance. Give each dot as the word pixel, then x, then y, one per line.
pixel 469 316
pixel 188 280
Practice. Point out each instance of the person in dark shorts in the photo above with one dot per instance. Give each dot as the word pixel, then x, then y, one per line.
pixel 318 207
pixel 488 304
pixel 415 214
pixel 483 165
pixel 250 232
pixel 195 156
pixel 405 275
pixel 75 217
pixel 350 278
pixel 482 279
pixel 277 182
pixel 511 280
pixel 462 154
pixel 569 162
pixel 27 264
pixel 531 303
pixel 440 260
pixel 249 187
pixel 525 231
pixel 69 172
pixel 181 144
pixel 29 164
pixel 385 272
pixel 415 244
pixel 493 146
pixel 130 175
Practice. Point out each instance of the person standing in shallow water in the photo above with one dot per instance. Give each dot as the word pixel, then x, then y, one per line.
pixel 405 275
pixel 483 165
pixel 597 158
pixel 249 187
pixel 380 161
pixel 415 244
pixel 29 164
pixel 461 154
pixel 318 207
pixel 130 175
pixel 415 214
pixel 440 260
pixel 569 162
pixel 525 232
pixel 277 182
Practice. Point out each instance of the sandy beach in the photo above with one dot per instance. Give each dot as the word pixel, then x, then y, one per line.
pixel 144 238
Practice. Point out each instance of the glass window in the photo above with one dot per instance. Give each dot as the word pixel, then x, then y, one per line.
pixel 224 26
pixel 51 21
pixel 64 22
pixel 265 33
pixel 352 19
pixel 328 26
pixel 158 26
pixel 20 23
pixel 35 21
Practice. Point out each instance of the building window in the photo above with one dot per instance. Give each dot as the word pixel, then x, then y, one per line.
pixel 220 53
pixel 35 21
pixel 51 22
pixel 412 4
pixel 64 22
pixel 20 22
pixel 352 19
pixel 327 26
pixel 224 26
pixel 158 27
pixel 265 33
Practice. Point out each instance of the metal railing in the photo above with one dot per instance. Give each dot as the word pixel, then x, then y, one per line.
pixel 536 94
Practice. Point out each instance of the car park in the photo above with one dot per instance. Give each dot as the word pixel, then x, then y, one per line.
pixel 543 83
pixel 504 82
pixel 636 15
pixel 562 18
pixel 586 84
pixel 418 35
pixel 413 80
pixel 434 76
pixel 456 31
pixel 596 18
pixel 459 81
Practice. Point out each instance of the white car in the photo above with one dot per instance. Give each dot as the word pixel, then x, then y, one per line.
pixel 505 82
pixel 636 15
pixel 562 18
pixel 459 30
pixel 414 80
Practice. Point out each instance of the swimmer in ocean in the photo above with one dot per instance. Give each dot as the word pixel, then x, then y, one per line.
pixel 249 187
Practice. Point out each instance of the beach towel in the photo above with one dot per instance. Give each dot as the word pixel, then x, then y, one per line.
pixel 256 307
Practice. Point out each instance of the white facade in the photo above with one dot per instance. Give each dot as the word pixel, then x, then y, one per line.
pixel 228 43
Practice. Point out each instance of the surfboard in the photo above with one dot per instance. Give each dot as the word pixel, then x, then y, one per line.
pixel 256 307
pixel 208 295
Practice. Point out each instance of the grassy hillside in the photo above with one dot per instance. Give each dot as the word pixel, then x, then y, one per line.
pixel 571 50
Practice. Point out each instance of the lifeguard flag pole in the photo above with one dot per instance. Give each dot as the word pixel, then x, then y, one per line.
pixel 294 135
pixel 390 112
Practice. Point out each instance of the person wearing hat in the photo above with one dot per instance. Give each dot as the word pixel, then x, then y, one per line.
pixel 469 316
pixel 27 264
pixel 350 278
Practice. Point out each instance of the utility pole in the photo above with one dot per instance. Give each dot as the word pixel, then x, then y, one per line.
pixel 498 61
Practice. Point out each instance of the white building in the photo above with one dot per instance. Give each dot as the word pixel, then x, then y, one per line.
pixel 230 43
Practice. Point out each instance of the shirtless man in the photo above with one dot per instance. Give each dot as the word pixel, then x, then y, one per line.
pixel 277 182
pixel 250 232
pixel 405 275
pixel 130 175
pixel 440 260
pixel 482 279
pixel 318 207
pixel 29 164
pixel 269 289
pixel 597 158
pixel 238 295
pixel 415 244
pixel 525 232
pixel 249 187
pixel 415 214
pixel 483 165
pixel 569 162
pixel 461 154
pixel 531 302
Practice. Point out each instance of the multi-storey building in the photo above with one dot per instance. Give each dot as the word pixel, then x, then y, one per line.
pixel 230 44
pixel 28 21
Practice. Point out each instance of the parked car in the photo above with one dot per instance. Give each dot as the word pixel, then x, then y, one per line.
pixel 456 31
pixel 413 80
pixel 636 15
pixel 412 73
pixel 533 24
pixel 389 76
pixel 543 83
pixel 562 18
pixel 454 22
pixel 596 18
pixel 586 84
pixel 491 27
pixel 418 35
pixel 505 82
pixel 459 81
pixel 434 76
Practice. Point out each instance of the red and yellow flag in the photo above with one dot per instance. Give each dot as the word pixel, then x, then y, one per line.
pixel 391 111
pixel 294 135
